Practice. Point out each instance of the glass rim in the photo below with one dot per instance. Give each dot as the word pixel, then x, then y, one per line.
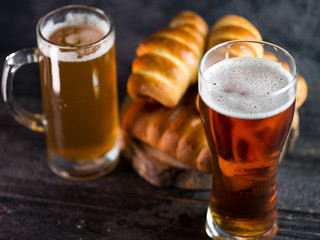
pixel 75 6
pixel 288 86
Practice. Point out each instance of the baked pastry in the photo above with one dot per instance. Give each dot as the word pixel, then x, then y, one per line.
pixel 167 146
pixel 176 132
pixel 233 27
pixel 167 61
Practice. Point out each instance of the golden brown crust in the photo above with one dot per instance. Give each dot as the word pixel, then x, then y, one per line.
pixel 177 132
pixel 169 59
pixel 181 35
pixel 189 18
pixel 159 67
pixel 233 27
pixel 237 21
pixel 175 50
pixel 150 89
pixel 191 143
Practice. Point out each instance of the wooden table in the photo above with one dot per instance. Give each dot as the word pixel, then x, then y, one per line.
pixel 37 204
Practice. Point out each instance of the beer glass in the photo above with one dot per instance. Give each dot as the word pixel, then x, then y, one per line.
pixel 76 55
pixel 247 102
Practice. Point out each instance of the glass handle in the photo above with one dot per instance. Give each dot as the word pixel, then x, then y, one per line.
pixel 13 62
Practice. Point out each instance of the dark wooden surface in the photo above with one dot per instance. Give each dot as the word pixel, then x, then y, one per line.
pixel 36 204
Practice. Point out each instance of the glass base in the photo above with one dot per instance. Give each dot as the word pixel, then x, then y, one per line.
pixel 216 232
pixel 85 169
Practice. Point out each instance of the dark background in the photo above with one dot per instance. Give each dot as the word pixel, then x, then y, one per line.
pixel 36 204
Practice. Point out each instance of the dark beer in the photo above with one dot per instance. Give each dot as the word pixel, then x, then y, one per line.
pixel 79 91
pixel 246 131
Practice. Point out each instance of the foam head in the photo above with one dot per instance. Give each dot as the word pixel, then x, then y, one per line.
pixel 80 53
pixel 248 88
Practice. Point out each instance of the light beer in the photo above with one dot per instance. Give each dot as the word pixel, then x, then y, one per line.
pixel 246 131
pixel 79 88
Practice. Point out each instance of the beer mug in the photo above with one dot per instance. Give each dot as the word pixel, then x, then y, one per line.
pixel 247 102
pixel 76 54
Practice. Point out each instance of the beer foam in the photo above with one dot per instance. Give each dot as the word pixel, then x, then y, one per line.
pixel 247 88
pixel 52 51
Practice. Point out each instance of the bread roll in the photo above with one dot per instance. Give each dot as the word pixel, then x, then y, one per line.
pixel 167 61
pixel 233 27
pixel 177 132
